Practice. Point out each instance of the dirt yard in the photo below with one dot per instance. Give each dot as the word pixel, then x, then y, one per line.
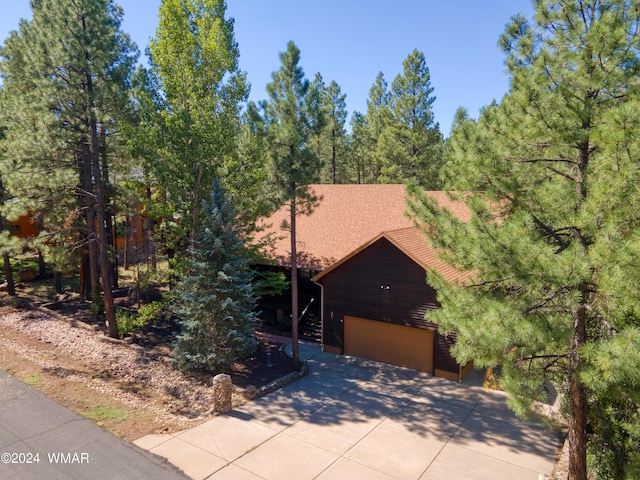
pixel 131 389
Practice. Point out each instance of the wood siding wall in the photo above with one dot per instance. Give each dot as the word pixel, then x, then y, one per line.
pixel 380 283
pixel 442 358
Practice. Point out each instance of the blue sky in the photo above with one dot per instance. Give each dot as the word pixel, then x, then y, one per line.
pixel 350 41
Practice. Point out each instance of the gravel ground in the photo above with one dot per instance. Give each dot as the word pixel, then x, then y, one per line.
pixel 128 363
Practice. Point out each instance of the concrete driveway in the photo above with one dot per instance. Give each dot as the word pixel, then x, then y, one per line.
pixel 351 418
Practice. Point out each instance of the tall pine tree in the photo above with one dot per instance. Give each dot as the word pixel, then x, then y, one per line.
pixel 555 231
pixel 398 138
pixel 331 141
pixel 65 74
pixel 366 130
pixel 291 117
pixel 410 145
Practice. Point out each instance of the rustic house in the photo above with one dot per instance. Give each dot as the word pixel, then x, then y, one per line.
pixel 368 264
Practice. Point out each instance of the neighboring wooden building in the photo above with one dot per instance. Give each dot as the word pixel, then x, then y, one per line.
pixel 130 235
pixel 23 227
pixel 371 262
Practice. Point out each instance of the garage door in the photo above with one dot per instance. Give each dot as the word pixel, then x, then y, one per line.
pixel 385 342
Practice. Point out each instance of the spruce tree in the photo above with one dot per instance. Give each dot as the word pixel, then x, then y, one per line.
pixel 215 303
pixel 551 178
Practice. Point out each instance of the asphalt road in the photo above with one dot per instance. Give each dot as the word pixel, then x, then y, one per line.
pixel 40 439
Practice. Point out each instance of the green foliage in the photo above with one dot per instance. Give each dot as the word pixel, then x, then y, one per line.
pixel 330 143
pixel 65 67
pixel 9 244
pixel 398 138
pixel 190 124
pixel 214 300
pixel 152 313
pixel 62 260
pixel 366 130
pixel 269 283
pixel 128 322
pixel 410 145
pixel 96 307
pixel 289 120
pixel 553 238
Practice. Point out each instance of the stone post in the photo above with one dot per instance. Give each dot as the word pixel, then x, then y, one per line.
pixel 222 389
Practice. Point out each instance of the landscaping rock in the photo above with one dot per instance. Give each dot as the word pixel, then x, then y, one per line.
pixel 27 274
pixel 250 392
pixel 222 390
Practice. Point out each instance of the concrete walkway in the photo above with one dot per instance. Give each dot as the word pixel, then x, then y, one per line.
pixel 351 418
pixel 40 439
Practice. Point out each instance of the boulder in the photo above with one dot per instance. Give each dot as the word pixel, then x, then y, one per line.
pixel 27 274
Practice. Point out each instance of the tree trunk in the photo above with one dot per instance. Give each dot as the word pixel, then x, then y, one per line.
pixel 195 217
pixel 294 285
pixel 102 242
pixel 57 280
pixel 108 213
pixel 90 201
pixel 103 245
pixel 84 280
pixel 111 241
pixel 578 397
pixel 127 243
pixel 333 156
pixel 11 286
pixel 42 266
pixel 151 239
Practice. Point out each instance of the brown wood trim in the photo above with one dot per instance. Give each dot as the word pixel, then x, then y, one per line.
pixel 332 349
pixel 466 369
pixel 448 375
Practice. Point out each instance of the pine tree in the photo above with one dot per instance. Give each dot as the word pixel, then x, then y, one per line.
pixel 331 141
pixel 65 74
pixel 555 230
pixel 366 130
pixel 215 303
pixel 290 119
pixel 410 145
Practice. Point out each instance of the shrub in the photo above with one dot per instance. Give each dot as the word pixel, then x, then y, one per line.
pixel 127 322
pixel 152 313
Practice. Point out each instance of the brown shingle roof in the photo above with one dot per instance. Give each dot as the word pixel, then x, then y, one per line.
pixel 346 219
pixel 413 243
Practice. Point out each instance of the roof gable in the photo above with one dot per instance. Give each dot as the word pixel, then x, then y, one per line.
pixel 413 243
